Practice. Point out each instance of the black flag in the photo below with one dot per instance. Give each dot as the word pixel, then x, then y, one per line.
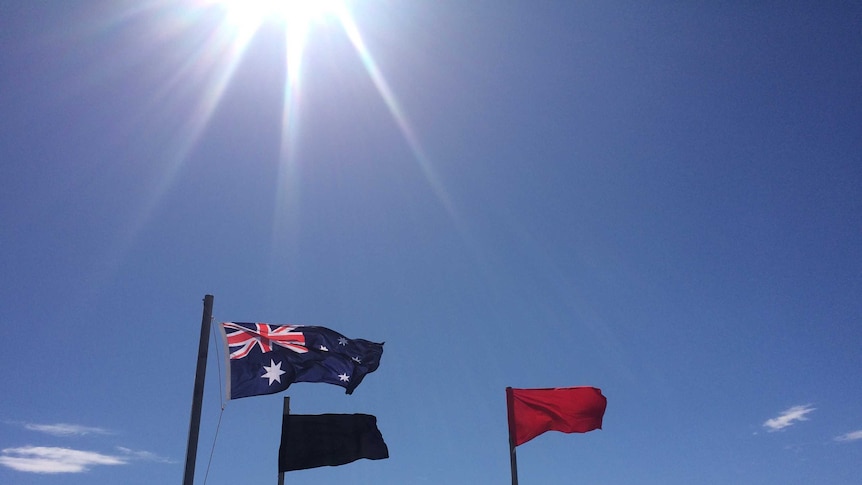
pixel 313 440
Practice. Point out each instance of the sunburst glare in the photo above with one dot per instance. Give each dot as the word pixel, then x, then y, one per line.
pixel 207 67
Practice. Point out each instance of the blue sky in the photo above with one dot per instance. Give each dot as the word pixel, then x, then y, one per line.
pixel 658 199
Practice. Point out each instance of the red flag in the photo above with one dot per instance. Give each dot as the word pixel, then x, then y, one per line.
pixel 565 409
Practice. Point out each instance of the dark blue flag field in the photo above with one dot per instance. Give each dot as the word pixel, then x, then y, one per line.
pixel 267 358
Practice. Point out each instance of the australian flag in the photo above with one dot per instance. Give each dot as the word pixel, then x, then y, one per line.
pixel 267 358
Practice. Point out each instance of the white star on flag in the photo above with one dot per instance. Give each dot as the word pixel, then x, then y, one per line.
pixel 357 360
pixel 273 372
pixel 342 341
pixel 323 348
pixel 344 377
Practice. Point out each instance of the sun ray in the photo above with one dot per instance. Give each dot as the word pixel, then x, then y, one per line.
pixel 395 109
pixel 187 98
pixel 287 194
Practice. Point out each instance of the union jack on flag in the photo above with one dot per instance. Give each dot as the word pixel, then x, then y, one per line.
pixel 241 339
pixel 266 358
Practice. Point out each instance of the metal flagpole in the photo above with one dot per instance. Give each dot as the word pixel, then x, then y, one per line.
pixel 513 459
pixel 284 413
pixel 198 393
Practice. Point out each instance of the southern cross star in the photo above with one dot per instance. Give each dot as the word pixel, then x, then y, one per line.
pixel 323 348
pixel 344 377
pixel 357 360
pixel 342 341
pixel 273 372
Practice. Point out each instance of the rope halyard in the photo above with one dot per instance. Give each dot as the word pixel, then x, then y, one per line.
pixel 222 400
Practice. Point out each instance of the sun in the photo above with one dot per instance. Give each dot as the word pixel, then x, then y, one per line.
pixel 298 17
pixel 209 61
pixel 250 14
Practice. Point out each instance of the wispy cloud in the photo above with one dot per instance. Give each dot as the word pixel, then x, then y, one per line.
pixel 144 455
pixel 52 460
pixel 788 417
pixel 47 459
pixel 64 429
pixel 851 436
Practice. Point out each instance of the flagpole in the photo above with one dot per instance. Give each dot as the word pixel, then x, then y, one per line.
pixel 198 393
pixel 513 459
pixel 285 411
